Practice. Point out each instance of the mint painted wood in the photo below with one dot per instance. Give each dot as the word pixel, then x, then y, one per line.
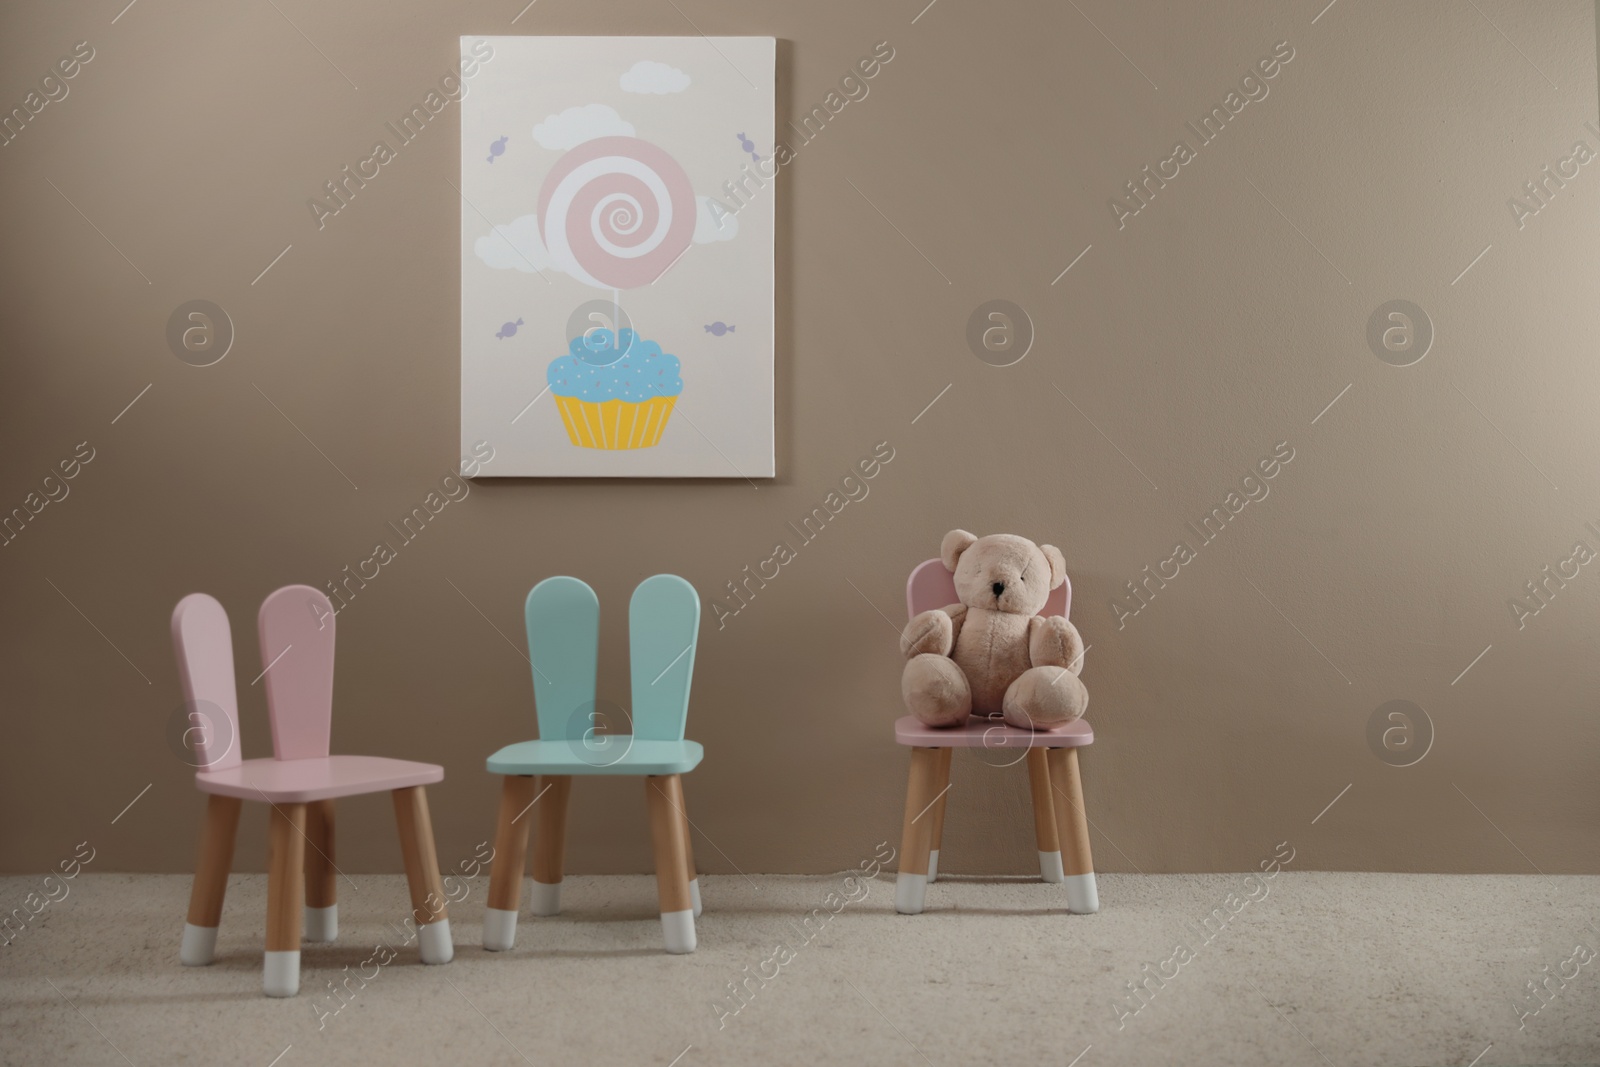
pixel 663 627
pixel 613 754
pixel 295 625
pixel 562 618
pixel 563 622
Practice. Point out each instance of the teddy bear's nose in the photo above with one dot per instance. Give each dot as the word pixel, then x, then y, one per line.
pixel 998 587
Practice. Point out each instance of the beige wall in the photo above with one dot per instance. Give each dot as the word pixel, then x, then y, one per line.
pixel 1215 325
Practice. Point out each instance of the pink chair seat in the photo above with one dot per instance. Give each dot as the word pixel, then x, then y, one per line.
pixel 301 781
pixel 990 733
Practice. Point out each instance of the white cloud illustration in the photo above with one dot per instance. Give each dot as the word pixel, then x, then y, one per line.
pixel 515 247
pixel 648 76
pixel 576 125
pixel 713 224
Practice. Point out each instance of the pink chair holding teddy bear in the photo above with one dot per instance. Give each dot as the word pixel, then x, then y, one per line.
pixel 992 662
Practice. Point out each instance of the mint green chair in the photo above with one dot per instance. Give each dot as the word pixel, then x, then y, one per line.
pixel 563 621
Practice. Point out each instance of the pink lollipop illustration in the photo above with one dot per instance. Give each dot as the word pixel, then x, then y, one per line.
pixel 616 212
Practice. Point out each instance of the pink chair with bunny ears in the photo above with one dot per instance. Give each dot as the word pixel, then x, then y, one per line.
pixel 1061 827
pixel 299 783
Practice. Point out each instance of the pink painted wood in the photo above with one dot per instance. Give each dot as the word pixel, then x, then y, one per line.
pixel 296 629
pixel 204 644
pixel 931 587
pixel 301 781
pixel 991 734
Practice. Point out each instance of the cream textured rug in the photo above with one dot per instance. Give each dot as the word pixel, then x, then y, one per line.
pixel 1316 969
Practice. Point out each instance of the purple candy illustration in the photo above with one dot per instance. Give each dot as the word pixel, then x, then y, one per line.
pixel 748 145
pixel 498 148
pixel 717 329
pixel 510 329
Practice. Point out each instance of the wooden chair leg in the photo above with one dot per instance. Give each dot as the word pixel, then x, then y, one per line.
pixel 210 881
pixel 549 843
pixel 1072 826
pixel 286 837
pixel 428 909
pixel 916 841
pixel 322 899
pixel 942 791
pixel 688 858
pixel 510 859
pixel 664 797
pixel 1045 832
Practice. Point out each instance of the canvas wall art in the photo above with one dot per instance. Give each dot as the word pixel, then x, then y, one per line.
pixel 617 205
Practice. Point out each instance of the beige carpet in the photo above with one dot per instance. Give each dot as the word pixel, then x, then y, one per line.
pixel 1324 969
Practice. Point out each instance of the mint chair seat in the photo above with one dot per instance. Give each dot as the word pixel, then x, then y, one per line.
pixel 576 740
pixel 598 754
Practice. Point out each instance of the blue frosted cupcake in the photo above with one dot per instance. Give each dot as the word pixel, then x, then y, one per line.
pixel 615 390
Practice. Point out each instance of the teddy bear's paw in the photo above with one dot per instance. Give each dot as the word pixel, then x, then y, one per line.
pixel 1055 642
pixel 929 631
pixel 935 691
pixel 1045 698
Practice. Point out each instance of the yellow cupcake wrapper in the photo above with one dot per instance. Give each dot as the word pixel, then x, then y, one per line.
pixel 615 423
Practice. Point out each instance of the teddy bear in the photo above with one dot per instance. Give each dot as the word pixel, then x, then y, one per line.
pixel 992 654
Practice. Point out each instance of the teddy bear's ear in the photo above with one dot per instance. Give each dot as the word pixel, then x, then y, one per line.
pixel 955 542
pixel 1058 565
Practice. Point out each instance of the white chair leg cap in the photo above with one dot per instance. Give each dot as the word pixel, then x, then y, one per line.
pixel 909 892
pixel 199 945
pixel 435 942
pixel 694 895
pixel 1082 896
pixel 677 927
pixel 933 866
pixel 1050 868
pixel 545 897
pixel 280 976
pixel 321 924
pixel 499 929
